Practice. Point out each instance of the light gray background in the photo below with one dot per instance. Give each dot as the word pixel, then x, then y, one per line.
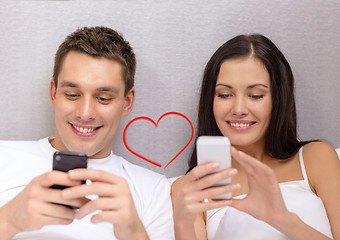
pixel 173 41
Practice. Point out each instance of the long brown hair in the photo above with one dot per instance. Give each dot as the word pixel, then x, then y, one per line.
pixel 281 137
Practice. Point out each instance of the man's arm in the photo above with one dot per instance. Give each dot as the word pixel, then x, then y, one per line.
pixel 34 207
pixel 114 201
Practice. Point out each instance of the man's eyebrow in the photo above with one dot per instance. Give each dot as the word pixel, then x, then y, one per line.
pixel 111 89
pixel 65 84
pixel 108 89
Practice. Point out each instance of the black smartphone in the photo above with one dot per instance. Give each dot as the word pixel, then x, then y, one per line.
pixel 66 161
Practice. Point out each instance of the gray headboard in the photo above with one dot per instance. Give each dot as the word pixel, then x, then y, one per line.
pixel 173 41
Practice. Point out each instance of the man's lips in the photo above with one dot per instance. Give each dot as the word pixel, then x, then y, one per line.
pixel 86 130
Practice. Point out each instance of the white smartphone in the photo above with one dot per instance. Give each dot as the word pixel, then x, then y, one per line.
pixel 217 149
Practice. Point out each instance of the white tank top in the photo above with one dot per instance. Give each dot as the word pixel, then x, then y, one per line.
pixel 229 223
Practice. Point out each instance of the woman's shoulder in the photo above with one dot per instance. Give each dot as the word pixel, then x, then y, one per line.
pixel 321 162
pixel 175 189
pixel 317 152
pixel 176 185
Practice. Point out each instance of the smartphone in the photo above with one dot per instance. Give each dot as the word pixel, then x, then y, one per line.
pixel 66 161
pixel 217 149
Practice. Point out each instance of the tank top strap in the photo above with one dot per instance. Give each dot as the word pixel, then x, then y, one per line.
pixel 302 165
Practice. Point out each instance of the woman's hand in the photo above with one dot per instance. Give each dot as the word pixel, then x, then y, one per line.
pixel 195 189
pixel 264 200
pixel 189 194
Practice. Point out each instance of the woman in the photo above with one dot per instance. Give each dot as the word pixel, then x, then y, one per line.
pixel 282 187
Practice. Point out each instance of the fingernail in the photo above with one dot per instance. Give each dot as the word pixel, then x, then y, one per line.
pixel 235 186
pixel 73 173
pixel 233 172
pixel 227 202
pixel 215 165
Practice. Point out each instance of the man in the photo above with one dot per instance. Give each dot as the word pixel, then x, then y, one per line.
pixel 91 90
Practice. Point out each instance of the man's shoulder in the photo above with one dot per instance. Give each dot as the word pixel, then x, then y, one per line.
pixel 145 182
pixel 20 145
pixel 140 172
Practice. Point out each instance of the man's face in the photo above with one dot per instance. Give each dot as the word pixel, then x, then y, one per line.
pixel 88 103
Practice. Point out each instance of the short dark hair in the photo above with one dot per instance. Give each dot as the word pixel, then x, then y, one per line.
pixel 281 136
pixel 99 42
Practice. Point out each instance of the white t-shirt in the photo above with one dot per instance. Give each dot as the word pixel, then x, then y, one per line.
pixel 21 161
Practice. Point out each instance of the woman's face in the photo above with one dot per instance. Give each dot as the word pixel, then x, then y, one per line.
pixel 242 102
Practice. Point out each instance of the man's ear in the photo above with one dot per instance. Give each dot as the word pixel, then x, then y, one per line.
pixel 53 92
pixel 128 102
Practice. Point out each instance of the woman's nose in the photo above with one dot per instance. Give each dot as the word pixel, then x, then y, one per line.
pixel 240 107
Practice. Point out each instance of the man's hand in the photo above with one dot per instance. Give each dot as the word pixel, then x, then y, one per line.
pixel 35 207
pixel 114 202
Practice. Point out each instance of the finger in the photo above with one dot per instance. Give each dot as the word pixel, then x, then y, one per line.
pixel 214 178
pixel 205 206
pixel 55 196
pixel 57 211
pixel 201 170
pixel 94 175
pixel 48 220
pixel 249 163
pixel 96 188
pixel 113 217
pixel 254 169
pixel 216 191
pixel 103 204
pixel 56 177
pixel 104 217
pixel 240 204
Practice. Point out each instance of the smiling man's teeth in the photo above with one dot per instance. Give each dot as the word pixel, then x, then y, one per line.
pixel 240 124
pixel 83 130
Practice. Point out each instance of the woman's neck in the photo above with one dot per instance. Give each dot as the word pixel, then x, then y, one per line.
pixel 257 150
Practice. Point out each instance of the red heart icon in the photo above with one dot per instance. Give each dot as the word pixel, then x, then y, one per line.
pixel 156 124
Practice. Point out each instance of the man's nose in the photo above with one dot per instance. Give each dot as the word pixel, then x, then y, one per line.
pixel 86 109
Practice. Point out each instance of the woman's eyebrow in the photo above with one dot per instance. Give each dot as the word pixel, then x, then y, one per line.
pixel 249 87
pixel 224 85
pixel 257 85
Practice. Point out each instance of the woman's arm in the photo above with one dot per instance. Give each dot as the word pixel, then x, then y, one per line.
pixel 323 170
pixel 264 200
pixel 186 229
pixel 188 194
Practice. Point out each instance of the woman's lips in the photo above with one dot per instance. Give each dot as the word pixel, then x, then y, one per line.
pixel 240 125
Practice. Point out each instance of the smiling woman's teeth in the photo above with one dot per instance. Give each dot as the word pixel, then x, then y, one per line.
pixel 240 124
pixel 83 130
